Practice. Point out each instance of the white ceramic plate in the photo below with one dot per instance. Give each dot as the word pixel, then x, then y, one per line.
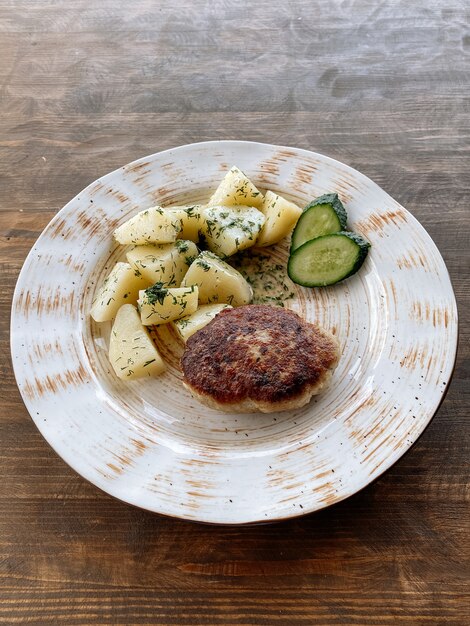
pixel 148 442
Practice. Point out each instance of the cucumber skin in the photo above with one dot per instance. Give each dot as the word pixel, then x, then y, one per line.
pixel 363 251
pixel 333 199
pixel 364 246
pixel 338 207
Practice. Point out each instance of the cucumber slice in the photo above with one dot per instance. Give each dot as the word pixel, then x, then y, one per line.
pixel 328 259
pixel 322 216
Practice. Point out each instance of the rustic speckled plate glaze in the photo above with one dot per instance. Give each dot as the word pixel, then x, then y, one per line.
pixel 148 442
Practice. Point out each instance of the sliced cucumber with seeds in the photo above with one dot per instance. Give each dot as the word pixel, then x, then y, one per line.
pixel 327 259
pixel 323 216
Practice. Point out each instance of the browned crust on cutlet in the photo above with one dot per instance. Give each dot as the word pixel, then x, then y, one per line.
pixel 258 357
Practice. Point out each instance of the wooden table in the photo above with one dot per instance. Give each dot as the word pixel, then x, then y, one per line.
pixel 88 86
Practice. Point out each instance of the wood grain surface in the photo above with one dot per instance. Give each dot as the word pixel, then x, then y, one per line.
pixel 89 86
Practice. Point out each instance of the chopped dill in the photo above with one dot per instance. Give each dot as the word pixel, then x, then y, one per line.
pixel 204 264
pixel 269 279
pixel 156 293
pixel 181 245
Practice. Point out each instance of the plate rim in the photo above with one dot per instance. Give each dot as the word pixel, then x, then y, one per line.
pixel 306 511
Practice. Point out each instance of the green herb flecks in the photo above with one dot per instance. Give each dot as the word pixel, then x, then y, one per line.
pixel 181 245
pixel 156 293
pixel 183 323
pixel 268 279
pixel 204 264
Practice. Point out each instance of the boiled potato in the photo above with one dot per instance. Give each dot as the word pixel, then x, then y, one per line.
pixel 190 220
pixel 159 305
pixel 153 225
pixel 132 352
pixel 236 189
pixel 120 287
pixel 217 281
pixel 230 229
pixel 188 325
pixel 281 217
pixel 164 263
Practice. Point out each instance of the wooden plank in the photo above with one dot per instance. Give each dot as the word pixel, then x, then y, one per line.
pixel 87 87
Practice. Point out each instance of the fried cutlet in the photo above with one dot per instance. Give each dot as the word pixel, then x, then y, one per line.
pixel 258 358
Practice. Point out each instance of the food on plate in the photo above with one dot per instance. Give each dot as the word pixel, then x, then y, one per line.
pixel 217 281
pixel 120 287
pixel 159 304
pixel 188 325
pixel 229 229
pixel 281 216
pixel 189 220
pixel 251 358
pixel 132 353
pixel 327 259
pixel 323 216
pixel 236 189
pixel 153 225
pixel 164 263
pixel 322 251
pixel 258 358
pixel 266 275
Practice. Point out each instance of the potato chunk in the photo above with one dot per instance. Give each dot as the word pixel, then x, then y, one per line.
pixel 281 217
pixel 217 281
pixel 153 225
pixel 164 263
pixel 188 325
pixel 122 286
pixel 230 229
pixel 159 305
pixel 132 352
pixel 189 219
pixel 236 189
